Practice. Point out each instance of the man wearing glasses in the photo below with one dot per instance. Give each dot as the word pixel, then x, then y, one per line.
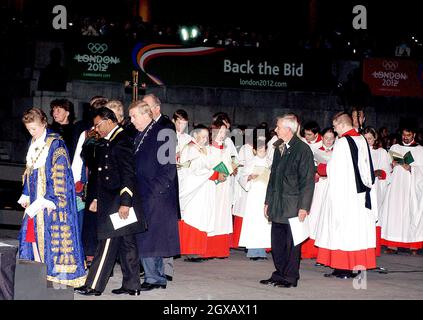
pixel 114 192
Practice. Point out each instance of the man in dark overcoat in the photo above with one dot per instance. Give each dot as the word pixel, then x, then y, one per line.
pixel 115 193
pixel 289 194
pixel 155 105
pixel 155 148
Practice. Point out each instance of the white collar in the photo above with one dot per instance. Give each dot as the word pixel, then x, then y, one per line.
pixel 41 139
pixel 111 133
pixel 37 153
pixel 408 144
pixel 160 115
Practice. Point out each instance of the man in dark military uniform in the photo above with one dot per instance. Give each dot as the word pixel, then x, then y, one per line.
pixel 115 187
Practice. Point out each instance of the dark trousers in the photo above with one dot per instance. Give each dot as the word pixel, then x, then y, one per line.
pixel 104 260
pixel 286 256
pixel 89 233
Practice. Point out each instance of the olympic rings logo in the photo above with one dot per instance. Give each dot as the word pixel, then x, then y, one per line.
pixel 389 65
pixel 97 47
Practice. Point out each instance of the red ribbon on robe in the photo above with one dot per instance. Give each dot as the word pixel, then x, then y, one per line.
pixel 30 231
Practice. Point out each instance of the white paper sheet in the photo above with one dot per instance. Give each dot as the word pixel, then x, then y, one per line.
pixel 37 205
pixel 120 223
pixel 300 230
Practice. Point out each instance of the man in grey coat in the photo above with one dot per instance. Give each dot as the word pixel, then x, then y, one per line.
pixel 289 194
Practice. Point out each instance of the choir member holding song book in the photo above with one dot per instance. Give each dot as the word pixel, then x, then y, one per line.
pixel 255 232
pixel 402 210
pixel 322 156
pixel 218 240
pixel 382 168
pixel 196 196
pixel 346 234
pixel 246 153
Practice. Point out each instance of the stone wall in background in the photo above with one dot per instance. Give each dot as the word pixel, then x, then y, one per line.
pixel 245 107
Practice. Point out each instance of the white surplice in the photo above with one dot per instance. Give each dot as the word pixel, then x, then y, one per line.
pixel 345 223
pixel 245 155
pixel 196 191
pixel 222 222
pixel 381 161
pixel 402 211
pixel 320 189
pixel 256 229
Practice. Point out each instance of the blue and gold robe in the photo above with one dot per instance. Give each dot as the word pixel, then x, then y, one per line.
pixel 55 232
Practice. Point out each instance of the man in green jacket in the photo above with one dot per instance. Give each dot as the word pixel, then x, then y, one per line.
pixel 289 194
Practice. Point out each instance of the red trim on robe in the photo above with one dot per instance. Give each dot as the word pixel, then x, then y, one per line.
pixel 30 231
pixel 347 260
pixel 218 246
pixel 351 133
pixel 407 245
pixel 214 176
pixel 318 139
pixel 378 240
pixel 216 145
pixel 237 232
pixel 321 169
pixel 323 148
pixel 309 250
pixel 192 240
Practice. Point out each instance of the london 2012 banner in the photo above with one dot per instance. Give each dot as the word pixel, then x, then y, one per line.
pixel 241 68
pixel 96 59
pixel 394 76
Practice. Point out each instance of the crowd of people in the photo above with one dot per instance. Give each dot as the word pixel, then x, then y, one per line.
pixel 336 41
pixel 142 189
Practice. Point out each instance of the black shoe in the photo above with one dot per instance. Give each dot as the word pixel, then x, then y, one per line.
pixel 87 291
pixel 342 274
pixel 254 258
pixel 169 278
pixel 194 259
pixel 145 286
pixel 284 284
pixel 126 291
pixel 267 281
pixel 80 288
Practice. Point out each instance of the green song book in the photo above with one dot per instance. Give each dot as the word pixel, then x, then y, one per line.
pixel 407 158
pixel 222 168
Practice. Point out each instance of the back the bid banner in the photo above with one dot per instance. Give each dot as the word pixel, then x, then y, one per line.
pixel 239 68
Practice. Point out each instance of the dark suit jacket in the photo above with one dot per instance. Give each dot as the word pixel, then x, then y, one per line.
pixel 115 184
pixel 157 194
pixel 291 183
pixel 167 123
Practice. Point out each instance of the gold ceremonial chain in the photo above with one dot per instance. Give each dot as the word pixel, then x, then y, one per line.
pixel 143 137
pixel 36 158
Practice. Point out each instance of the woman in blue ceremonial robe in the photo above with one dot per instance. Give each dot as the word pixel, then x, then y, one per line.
pixel 50 232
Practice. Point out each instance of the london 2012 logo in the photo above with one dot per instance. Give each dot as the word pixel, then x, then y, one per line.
pixel 97 47
pixel 389 65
